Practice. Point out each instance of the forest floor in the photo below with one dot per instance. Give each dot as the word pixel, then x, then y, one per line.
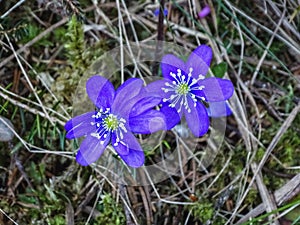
pixel 249 174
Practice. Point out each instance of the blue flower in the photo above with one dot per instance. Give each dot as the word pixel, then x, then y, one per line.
pixel 156 12
pixel 204 12
pixel 118 114
pixel 185 88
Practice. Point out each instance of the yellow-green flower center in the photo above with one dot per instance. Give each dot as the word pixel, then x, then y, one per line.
pixel 111 122
pixel 182 89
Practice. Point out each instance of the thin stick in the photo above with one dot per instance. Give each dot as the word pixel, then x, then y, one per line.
pixel 8 217
pixel 122 192
pixel 28 80
pixel 267 49
pixel 32 110
pixel 287 123
pixel 12 8
pixel 45 85
pixel 285 21
pixel 120 19
pixel 283 194
pixel 291 43
pixel 26 107
pixel 160 37
pixel 34 40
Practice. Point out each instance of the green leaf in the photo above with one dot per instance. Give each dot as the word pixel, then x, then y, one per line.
pixel 219 70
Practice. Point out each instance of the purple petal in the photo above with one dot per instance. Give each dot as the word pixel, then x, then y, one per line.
pixel 134 158
pixel 128 142
pixel 135 106
pixel 171 63
pixel 157 11
pixel 172 117
pixel 204 12
pixel 216 89
pixel 148 122
pixel 197 119
pixel 120 147
pixel 199 60
pixel 218 109
pixel 156 87
pixel 100 91
pixel 80 125
pixel 144 105
pixel 90 150
pixel 128 90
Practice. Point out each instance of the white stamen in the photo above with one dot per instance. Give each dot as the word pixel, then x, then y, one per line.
pixel 96 135
pixel 122 126
pixel 121 135
pixel 106 123
pixel 180 94
pixel 201 77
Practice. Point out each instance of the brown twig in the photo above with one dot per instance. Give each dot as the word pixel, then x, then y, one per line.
pixel 279 198
pixel 146 205
pixel 34 40
pixel 267 199
pixel 122 191
pixel 160 38
pixel 282 195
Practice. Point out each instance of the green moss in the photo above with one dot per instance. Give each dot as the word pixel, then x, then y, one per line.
pixel 286 151
pixel 75 45
pixel 202 210
pixel 111 212
pixel 259 154
pixel 79 58
pixel 32 30
pixel 252 197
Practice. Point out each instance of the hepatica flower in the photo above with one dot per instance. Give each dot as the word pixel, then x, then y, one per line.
pixel 118 114
pixel 185 88
pixel 204 12
pixel 156 12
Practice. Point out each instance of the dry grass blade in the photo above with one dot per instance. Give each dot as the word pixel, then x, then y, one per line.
pixel 7 216
pixel 289 42
pixel 45 61
pixel 267 48
pixel 286 23
pixel 287 123
pixel 12 8
pixel 36 39
pixel 282 195
pixel 32 110
pixel 267 199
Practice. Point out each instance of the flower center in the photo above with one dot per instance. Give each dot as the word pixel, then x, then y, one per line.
pixel 183 88
pixel 107 123
pixel 111 122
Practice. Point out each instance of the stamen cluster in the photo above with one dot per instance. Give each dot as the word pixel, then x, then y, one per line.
pixel 181 88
